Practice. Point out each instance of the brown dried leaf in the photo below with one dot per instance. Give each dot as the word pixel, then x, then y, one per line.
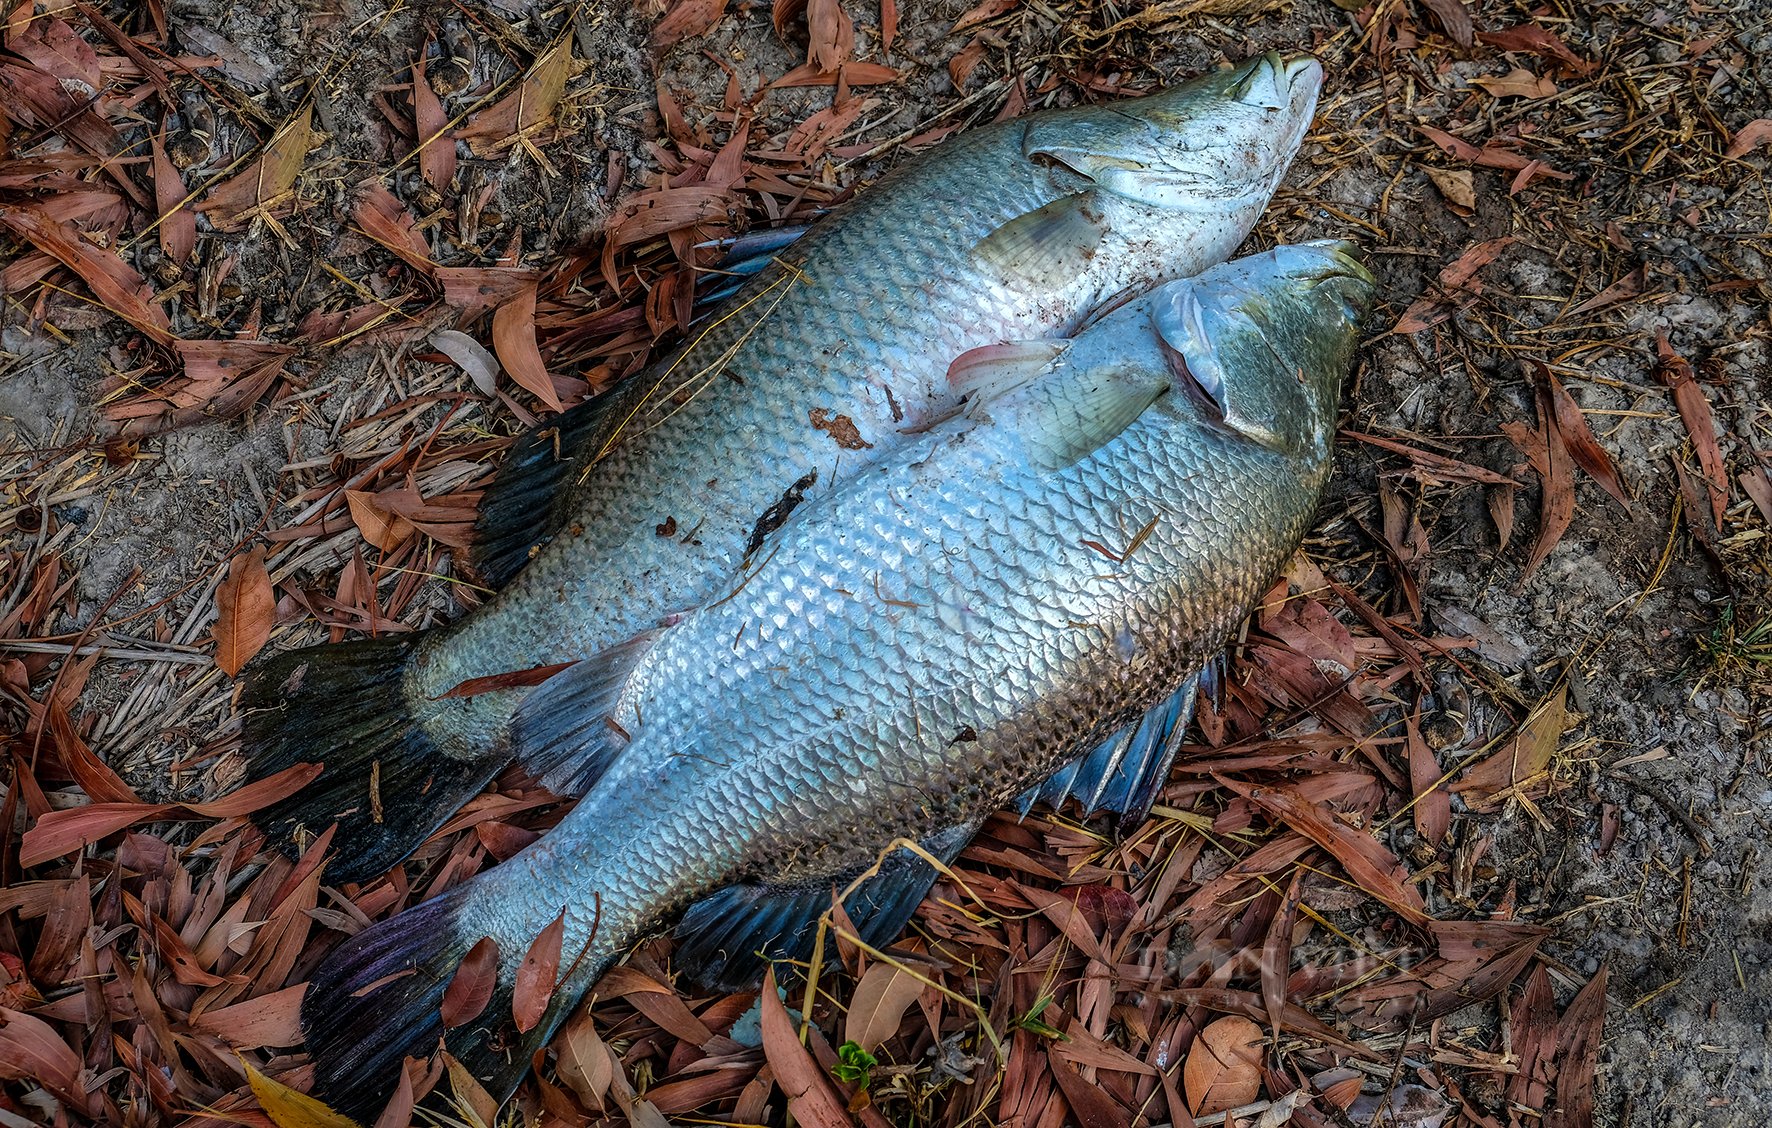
pixel 246 610
pixel 1456 187
pixel 273 1019
pixel 831 34
pixel 1223 1067
pixel 687 18
pixel 527 108
pixel 812 1099
pixel 436 152
pixel 984 11
pixel 1517 83
pixel 114 282
pixel 881 997
pixel 1535 40
pixel 1750 137
pixel 1556 506
pixel 537 976
pixel 961 66
pixel 1433 808
pixel 1456 279
pixel 514 679
pixel 470 989
pixel 1584 447
pixel 1623 290
pixel 178 226
pixel 379 524
pixel 513 338
pixel 851 73
pixel 385 219
pixel 263 187
pixel 1701 426
pixel 1578 1037
pixel 584 1062
pixel 1525 756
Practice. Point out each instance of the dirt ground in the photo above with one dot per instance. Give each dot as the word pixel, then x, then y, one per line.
pixel 1625 222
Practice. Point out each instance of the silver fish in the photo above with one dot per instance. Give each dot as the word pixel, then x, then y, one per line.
pixel 635 507
pixel 906 655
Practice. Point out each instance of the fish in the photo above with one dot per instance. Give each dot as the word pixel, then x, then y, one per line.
pixel 909 653
pixel 632 508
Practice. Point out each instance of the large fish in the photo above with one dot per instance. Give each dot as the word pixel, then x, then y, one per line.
pixel 634 507
pixel 903 657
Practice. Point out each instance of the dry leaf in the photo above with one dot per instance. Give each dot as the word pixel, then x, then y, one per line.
pixel 263 187
pixel 1521 759
pixel 1456 187
pixel 1454 19
pixel 112 281
pixel 246 610
pixel 528 107
pixel 1223 1067
pixel 436 152
pixel 379 524
pixel 178 226
pixel 1750 137
pixel 987 10
pixel 290 1109
pixel 884 992
pixel 538 975
pixel 831 34
pixel 1584 447
pixel 1536 40
pixel 584 1062
pixel 513 336
pixel 473 358
pixel 686 19
pixel 1433 808
pixel 1701 427
pixel 472 985
pixel 1578 1040
pixel 812 1099
pixel 1517 83
pixel 1624 289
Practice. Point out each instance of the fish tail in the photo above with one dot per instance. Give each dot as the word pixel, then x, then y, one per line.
pixel 392 991
pixel 385 780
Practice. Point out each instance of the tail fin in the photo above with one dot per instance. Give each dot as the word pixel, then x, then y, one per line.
pixel 380 997
pixel 385 782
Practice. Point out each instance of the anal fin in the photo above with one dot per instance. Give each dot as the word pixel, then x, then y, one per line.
pixel 563 734
pixel 1124 773
pixel 727 940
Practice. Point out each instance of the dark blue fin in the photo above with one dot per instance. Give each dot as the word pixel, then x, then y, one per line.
pixel 563 734
pixel 746 255
pixel 377 998
pixel 1124 773
pixel 526 506
pixel 726 941
pixel 384 781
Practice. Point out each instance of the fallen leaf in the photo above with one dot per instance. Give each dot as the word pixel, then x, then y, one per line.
pixel 812 1099
pixel 1622 290
pixel 379 524
pixel 290 1109
pixel 1701 427
pixel 882 995
pixel 583 1061
pixel 1456 187
pixel 1749 137
pixel 1223 1068
pixel 1578 1039
pixel 537 976
pixel 471 356
pixel 112 281
pixel 263 187
pixel 513 336
pixel 831 34
pixel 1556 507
pixel 514 679
pixel 1535 40
pixel 385 219
pixel 852 73
pixel 964 62
pixel 436 143
pixel 177 225
pixel 1524 757
pixel 987 10
pixel 1584 447
pixel 525 109
pixel 1433 806
pixel 470 989
pixel 1517 83
pixel 1457 279
pixel 686 19
pixel 246 610
pixel 1454 19
pixel 471 1096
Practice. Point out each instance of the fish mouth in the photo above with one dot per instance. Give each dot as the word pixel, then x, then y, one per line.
pixel 1274 82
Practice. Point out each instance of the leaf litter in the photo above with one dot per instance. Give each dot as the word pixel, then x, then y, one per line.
pixel 1269 893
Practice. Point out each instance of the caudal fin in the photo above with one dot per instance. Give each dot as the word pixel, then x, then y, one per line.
pixel 384 781
pixel 381 996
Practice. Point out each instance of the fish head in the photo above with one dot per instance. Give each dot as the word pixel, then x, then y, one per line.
pixel 1261 344
pixel 1221 141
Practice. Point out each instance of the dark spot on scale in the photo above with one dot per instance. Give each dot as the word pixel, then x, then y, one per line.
pixel 840 428
pixel 967 735
pixel 666 528
pixel 776 515
pixel 892 402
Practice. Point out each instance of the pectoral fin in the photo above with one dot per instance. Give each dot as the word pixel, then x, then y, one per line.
pixel 1066 417
pixel 1049 247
